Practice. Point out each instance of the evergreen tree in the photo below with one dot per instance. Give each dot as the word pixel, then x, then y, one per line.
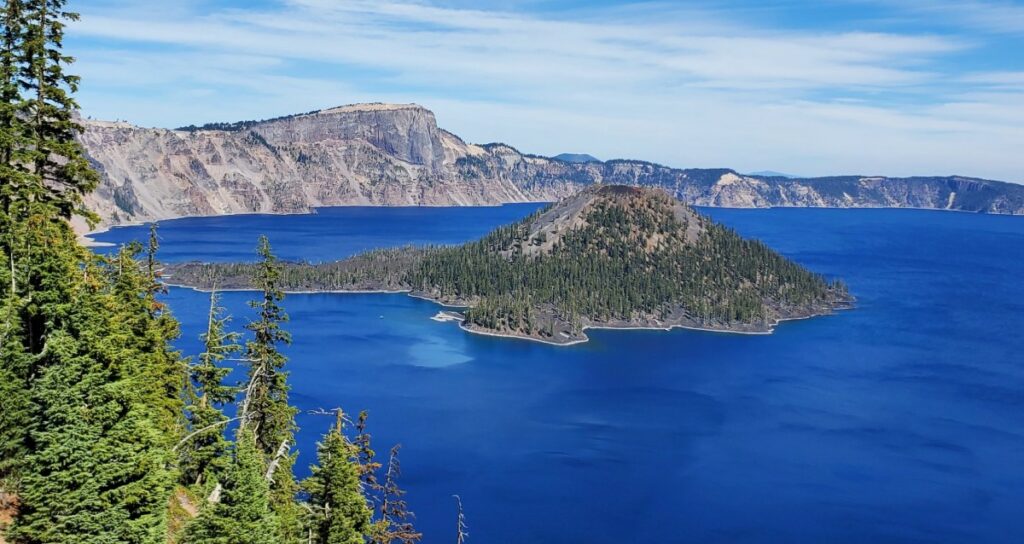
pixel 340 514
pixel 97 466
pixel 63 174
pixel 14 140
pixel 242 515
pixel 265 409
pixel 204 455
pixel 15 408
pixel 162 374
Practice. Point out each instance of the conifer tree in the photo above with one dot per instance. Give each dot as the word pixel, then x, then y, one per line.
pixel 63 174
pixel 265 407
pixel 97 470
pixel 243 514
pixel 14 142
pixel 265 410
pixel 15 408
pixel 205 454
pixel 340 514
pixel 162 374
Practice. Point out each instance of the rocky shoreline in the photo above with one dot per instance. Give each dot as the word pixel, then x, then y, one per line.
pixel 563 333
pixel 565 336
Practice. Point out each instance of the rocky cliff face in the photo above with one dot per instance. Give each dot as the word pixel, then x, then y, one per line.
pixel 392 155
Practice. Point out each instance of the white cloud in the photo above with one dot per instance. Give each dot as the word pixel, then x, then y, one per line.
pixel 689 91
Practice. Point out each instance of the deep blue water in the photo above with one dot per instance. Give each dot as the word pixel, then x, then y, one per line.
pixel 899 421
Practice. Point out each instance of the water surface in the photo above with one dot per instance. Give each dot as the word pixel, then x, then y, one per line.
pixel 900 421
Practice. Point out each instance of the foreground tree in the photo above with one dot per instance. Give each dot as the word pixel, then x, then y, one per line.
pixel 265 410
pixel 61 171
pixel 205 454
pixel 339 513
pixel 395 522
pixel 97 463
pixel 242 514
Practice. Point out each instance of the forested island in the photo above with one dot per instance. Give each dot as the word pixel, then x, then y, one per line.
pixel 610 256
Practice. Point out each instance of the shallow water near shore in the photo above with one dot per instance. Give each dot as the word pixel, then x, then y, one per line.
pixel 899 421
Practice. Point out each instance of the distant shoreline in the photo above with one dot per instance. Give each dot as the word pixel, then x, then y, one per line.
pixel 88 241
pixel 86 237
pixel 585 339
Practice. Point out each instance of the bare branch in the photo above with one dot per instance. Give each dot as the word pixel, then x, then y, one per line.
pixel 282 450
pixel 462 527
pixel 204 429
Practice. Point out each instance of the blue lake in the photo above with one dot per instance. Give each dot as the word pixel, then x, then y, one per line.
pixel 899 421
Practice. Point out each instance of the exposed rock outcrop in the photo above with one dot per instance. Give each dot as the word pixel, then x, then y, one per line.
pixel 388 154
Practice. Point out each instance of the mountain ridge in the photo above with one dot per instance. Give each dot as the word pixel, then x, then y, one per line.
pixel 396 154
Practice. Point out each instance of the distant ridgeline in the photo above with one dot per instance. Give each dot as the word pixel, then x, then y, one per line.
pixel 610 256
pixel 397 155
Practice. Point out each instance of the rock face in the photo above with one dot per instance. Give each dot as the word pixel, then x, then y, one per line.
pixel 393 155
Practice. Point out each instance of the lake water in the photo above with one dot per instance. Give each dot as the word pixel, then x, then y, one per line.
pixel 899 421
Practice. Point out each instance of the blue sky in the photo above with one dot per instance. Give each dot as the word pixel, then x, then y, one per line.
pixel 893 87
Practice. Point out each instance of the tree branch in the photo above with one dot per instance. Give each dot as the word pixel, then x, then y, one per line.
pixel 204 429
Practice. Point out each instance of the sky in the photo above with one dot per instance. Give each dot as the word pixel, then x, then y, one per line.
pixel 872 87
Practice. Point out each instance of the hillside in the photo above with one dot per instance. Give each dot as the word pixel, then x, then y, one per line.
pixel 576 157
pixel 388 154
pixel 608 256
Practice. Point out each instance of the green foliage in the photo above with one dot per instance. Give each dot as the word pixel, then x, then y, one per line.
pixel 94 426
pixel 243 514
pixel 205 454
pixel 338 512
pixel 60 172
pixel 629 255
pixel 631 258
pixel 265 409
pixel 15 407
pixel 97 467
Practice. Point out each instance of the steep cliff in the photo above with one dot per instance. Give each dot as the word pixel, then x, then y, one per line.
pixel 393 155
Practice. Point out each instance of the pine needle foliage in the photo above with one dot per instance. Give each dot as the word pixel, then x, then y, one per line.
pixel 265 409
pixel 243 514
pixel 205 455
pixel 338 512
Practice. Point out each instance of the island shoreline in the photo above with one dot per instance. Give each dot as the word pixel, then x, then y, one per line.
pixel 469 329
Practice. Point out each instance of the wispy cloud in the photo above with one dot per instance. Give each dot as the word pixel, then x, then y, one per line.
pixel 650 81
pixel 999 16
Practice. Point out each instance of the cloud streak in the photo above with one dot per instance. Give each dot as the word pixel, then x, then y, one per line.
pixel 685 89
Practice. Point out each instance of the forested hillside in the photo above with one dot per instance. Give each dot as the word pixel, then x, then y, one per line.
pixel 109 435
pixel 608 256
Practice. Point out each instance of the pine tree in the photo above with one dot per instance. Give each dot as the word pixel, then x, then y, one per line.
pixel 97 467
pixel 204 455
pixel 339 512
pixel 265 409
pixel 15 407
pixel 14 141
pixel 162 372
pixel 243 514
pixel 63 174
